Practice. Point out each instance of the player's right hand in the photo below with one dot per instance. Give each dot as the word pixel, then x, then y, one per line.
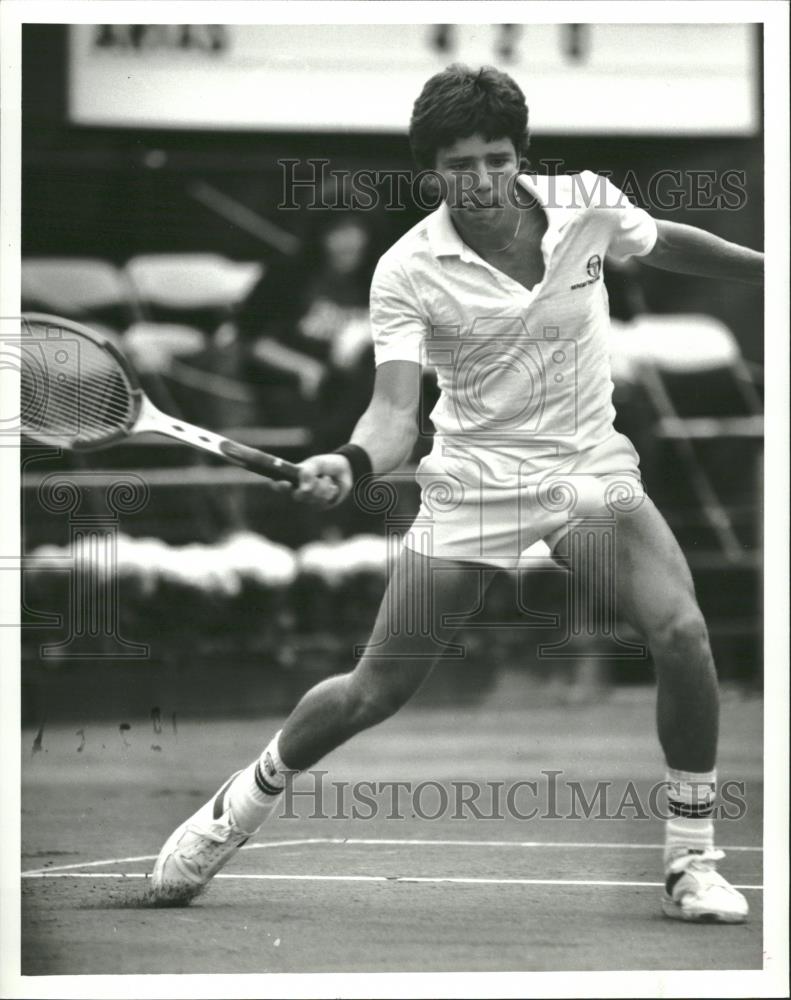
pixel 324 480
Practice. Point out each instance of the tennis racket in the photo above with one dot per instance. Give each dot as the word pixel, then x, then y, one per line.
pixel 78 391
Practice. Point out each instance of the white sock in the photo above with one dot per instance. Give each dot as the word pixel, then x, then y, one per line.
pixel 254 791
pixel 691 803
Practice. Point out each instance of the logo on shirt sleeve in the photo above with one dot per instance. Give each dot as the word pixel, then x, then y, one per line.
pixel 593 267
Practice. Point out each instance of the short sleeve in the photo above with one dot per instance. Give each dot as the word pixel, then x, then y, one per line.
pixel 397 325
pixel 632 231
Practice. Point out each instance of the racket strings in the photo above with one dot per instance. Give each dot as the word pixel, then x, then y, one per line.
pixel 71 406
pixel 71 392
pixel 84 407
pixel 72 389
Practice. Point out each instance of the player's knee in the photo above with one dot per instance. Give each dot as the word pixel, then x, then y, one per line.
pixel 682 635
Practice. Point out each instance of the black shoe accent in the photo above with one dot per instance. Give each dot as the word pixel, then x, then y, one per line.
pixel 673 877
pixel 219 801
pixel 670 882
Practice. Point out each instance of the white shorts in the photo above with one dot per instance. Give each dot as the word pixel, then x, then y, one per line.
pixel 496 525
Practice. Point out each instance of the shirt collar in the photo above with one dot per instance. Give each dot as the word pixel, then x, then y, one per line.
pixel 446 242
pixel 442 236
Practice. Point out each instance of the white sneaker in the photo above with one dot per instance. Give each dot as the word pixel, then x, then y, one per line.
pixel 694 890
pixel 196 851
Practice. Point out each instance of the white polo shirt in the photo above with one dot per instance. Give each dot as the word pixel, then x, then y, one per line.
pixel 524 375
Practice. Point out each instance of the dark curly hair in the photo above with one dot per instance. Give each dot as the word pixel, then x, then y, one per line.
pixel 460 102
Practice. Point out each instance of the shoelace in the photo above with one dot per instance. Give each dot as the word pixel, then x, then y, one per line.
pixel 697 862
pixel 219 831
pixel 200 856
pixel 211 833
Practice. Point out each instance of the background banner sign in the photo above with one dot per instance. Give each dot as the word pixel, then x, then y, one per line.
pixel 682 78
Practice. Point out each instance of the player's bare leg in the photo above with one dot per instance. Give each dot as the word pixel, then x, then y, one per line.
pixel 408 637
pixel 654 592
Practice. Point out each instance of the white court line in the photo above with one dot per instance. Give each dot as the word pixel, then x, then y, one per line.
pixel 380 878
pixel 405 842
pixel 153 857
pixel 485 843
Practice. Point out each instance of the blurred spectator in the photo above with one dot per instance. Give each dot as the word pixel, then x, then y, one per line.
pixel 624 290
pixel 307 320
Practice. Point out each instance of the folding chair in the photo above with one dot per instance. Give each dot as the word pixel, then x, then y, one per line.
pixel 196 289
pixel 700 390
pixel 83 288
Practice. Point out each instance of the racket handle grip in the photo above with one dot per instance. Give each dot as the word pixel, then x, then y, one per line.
pixel 260 462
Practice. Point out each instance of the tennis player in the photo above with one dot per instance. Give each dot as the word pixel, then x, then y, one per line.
pixel 501 290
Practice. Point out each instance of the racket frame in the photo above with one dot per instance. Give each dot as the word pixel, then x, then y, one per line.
pixel 145 418
pixel 136 390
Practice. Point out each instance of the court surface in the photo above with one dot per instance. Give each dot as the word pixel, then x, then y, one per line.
pixel 382 894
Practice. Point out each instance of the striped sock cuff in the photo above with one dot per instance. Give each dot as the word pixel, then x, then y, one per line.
pixel 263 785
pixel 691 795
pixel 270 771
pixel 690 799
pixel 687 811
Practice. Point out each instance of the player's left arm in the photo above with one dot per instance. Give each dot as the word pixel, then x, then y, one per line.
pixel 689 250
